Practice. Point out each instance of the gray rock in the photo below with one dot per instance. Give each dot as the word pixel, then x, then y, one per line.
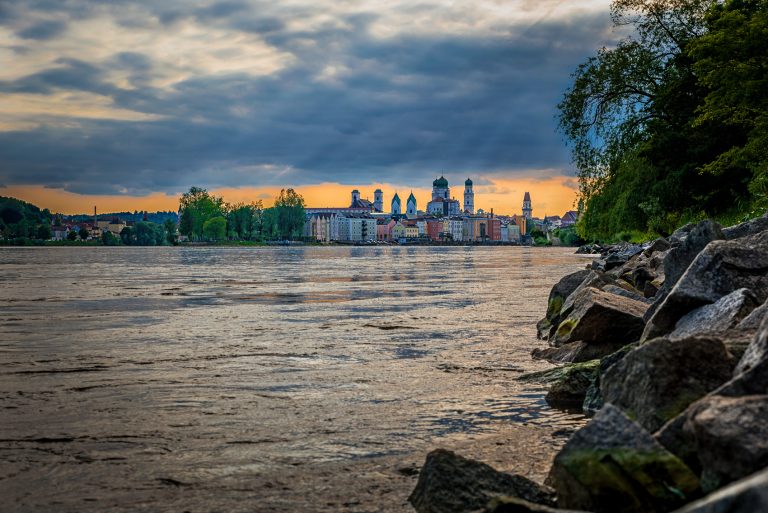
pixel 594 279
pixel 570 389
pixel 721 268
pixel 757 351
pixel 750 495
pixel 718 317
pixel 731 436
pixel 449 483
pixel 593 399
pixel 677 260
pixel 613 466
pixel 557 297
pixel 629 292
pixel 658 380
pixel 660 244
pixel 751 227
pixel 600 317
pixel 755 318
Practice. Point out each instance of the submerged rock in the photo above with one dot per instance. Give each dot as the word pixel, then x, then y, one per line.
pixel 658 380
pixel 570 389
pixel 612 465
pixel 750 495
pixel 599 317
pixel 449 483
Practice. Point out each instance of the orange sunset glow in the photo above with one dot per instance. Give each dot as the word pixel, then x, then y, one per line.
pixel 552 196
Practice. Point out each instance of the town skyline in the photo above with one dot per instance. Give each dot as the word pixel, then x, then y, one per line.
pixel 552 196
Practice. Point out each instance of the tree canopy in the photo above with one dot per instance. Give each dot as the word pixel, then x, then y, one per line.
pixel 670 124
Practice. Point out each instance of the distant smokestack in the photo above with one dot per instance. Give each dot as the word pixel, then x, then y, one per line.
pixel 95 217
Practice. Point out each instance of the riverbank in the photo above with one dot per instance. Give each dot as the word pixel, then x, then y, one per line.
pixel 666 344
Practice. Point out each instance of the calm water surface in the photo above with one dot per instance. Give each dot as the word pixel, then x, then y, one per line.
pixel 125 370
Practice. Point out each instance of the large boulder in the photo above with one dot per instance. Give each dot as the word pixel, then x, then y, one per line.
pixel 731 437
pixel 750 495
pixel 721 268
pixel 601 317
pixel 449 483
pixel 612 465
pixel 722 315
pixel 594 279
pixel 658 380
pixel 751 227
pixel 688 242
pixel 593 399
pixel 557 297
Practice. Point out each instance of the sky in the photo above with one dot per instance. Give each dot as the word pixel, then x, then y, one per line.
pixel 126 104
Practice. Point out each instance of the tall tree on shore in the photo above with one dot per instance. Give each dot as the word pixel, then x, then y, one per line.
pixel 289 214
pixel 197 207
pixel 640 121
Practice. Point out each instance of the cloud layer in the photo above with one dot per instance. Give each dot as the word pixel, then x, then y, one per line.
pixel 138 97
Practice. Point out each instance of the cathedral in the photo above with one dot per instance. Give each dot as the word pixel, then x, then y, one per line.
pixel 442 204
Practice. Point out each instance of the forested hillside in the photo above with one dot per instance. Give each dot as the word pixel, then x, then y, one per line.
pixel 671 125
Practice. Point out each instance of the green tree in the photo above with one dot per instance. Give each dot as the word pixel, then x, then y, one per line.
pixel 109 239
pixel 289 214
pixel 83 233
pixel 72 235
pixel 146 233
pixel 244 220
pixel 197 207
pixel 731 61
pixel 171 231
pixel 127 237
pixel 44 232
pixel 215 228
pixel 645 144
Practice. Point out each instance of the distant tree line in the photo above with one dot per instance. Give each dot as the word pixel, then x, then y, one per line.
pixel 21 221
pixel 671 125
pixel 205 217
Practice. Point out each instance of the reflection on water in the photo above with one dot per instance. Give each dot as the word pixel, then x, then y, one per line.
pixel 200 363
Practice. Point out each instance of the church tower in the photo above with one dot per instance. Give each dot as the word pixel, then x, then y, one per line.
pixel 396 205
pixel 469 197
pixel 527 209
pixel 378 200
pixel 411 206
pixel 355 197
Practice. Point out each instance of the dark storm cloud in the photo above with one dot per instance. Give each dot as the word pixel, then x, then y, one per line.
pixel 43 30
pixel 350 108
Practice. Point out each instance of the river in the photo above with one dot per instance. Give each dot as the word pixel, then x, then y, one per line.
pixel 265 379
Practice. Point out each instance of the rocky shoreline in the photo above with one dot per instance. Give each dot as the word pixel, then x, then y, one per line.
pixel 666 344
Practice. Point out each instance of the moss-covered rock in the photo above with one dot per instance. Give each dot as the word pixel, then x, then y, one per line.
pixel 612 465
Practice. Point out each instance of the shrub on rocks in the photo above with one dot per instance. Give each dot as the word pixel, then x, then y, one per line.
pixel 612 465
pixel 449 483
